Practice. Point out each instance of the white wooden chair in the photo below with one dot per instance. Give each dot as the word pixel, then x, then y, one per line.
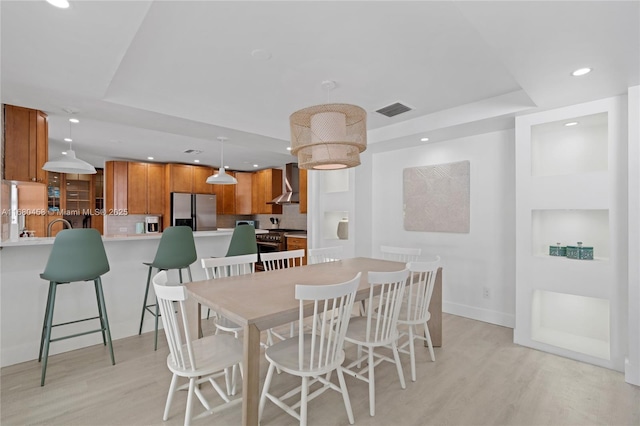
pixel 221 267
pixel 400 254
pixel 378 329
pixel 315 355
pixel 200 361
pixel 415 307
pixel 281 260
pixel 324 254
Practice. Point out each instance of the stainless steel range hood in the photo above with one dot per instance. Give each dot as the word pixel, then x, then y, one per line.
pixel 291 186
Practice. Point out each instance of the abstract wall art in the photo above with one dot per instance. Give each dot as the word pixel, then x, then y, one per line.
pixel 437 198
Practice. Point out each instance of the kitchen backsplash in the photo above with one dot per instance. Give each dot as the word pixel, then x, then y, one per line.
pixel 291 218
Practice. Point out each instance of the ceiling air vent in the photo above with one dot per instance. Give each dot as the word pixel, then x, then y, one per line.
pixel 192 151
pixel 393 109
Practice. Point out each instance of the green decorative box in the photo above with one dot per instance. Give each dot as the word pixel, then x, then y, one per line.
pixel 557 250
pixel 580 252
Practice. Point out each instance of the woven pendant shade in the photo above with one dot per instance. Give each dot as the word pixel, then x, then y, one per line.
pixel 329 136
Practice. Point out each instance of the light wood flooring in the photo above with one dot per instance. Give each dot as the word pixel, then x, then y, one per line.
pixel 479 378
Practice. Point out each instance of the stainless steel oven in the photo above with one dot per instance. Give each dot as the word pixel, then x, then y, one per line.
pixel 270 242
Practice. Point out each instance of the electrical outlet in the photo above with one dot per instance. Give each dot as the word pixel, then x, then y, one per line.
pixel 123 229
pixel 485 293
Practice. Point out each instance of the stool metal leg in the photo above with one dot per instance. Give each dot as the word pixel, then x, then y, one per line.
pixel 95 286
pixel 144 302
pixel 104 320
pixel 44 322
pixel 48 325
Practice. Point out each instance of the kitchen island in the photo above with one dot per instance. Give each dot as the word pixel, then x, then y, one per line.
pixel 23 293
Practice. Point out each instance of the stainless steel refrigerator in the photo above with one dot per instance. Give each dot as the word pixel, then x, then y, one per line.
pixel 197 211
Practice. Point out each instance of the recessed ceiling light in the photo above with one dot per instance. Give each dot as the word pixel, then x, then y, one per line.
pixel 424 139
pixel 255 165
pixel 226 167
pixel 68 140
pixel 288 148
pixel 581 71
pixel 196 161
pixel 149 158
pixel 74 120
pixel 62 4
pixel 64 152
pixel 571 123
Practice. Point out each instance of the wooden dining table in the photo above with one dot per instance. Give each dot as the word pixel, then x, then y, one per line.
pixel 264 300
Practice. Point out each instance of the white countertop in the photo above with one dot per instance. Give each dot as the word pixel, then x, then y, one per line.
pixel 36 241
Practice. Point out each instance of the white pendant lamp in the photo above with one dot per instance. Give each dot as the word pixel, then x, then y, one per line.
pixel 221 178
pixel 329 136
pixel 69 163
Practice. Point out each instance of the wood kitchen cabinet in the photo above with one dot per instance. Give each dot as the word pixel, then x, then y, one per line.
pixel 266 185
pixel 200 175
pixel 145 188
pixel 179 178
pixel 303 190
pixel 26 144
pixel 243 193
pixel 134 188
pixel 295 243
pixel 225 197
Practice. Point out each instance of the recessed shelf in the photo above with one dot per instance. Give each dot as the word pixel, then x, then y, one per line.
pixel 331 221
pixel 336 180
pixel 577 323
pixel 560 150
pixel 590 226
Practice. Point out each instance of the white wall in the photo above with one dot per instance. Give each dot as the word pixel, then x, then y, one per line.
pixel 482 258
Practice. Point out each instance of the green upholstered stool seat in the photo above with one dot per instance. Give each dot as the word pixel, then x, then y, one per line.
pixel 77 255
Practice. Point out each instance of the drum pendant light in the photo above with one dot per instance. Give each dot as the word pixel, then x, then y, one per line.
pixel 69 163
pixel 328 136
pixel 221 178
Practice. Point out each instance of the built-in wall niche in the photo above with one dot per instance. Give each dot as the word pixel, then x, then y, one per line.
pixel 334 226
pixel 336 180
pixel 558 149
pixel 576 323
pixel 591 227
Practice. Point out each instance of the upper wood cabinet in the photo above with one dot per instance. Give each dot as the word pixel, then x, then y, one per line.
pixel 303 190
pixel 267 185
pixel 145 188
pixel 26 144
pixel 137 188
pixel 180 178
pixel 200 175
pixel 243 193
pixel 225 197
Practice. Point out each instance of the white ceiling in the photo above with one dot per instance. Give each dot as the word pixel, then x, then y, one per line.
pixel 154 78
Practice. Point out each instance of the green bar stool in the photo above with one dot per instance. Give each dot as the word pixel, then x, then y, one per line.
pixel 243 241
pixel 77 255
pixel 176 250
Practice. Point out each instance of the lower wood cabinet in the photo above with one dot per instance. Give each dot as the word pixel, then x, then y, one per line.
pixel 295 243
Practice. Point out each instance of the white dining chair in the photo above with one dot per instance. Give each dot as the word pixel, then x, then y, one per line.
pixel 222 267
pixel 313 356
pixel 281 260
pixel 200 361
pixel 415 308
pixel 400 254
pixel 379 328
pixel 324 254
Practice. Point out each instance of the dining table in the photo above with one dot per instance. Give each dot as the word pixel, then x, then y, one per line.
pixel 263 300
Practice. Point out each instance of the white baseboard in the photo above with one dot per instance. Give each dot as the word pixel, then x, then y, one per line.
pixel 479 314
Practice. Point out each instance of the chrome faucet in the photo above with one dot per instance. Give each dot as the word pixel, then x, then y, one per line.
pixel 66 223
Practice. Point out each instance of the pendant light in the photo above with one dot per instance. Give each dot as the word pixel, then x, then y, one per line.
pixel 329 136
pixel 221 178
pixel 69 163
